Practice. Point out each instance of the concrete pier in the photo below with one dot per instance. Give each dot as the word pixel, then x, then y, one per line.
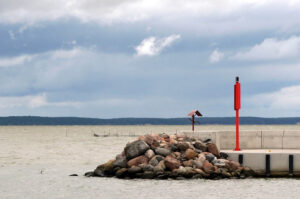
pixel 269 153
pixel 269 162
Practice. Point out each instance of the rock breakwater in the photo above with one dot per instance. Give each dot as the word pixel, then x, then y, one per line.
pixel 171 156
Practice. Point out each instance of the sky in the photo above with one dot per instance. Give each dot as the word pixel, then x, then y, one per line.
pixel 149 58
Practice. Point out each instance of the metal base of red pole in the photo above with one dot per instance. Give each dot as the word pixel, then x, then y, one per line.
pixel 237 147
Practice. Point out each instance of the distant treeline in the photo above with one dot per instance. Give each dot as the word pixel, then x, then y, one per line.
pixel 35 120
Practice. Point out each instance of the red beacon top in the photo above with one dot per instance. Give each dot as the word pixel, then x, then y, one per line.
pixel 237 94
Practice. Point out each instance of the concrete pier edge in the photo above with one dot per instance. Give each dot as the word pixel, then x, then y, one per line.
pixel 268 153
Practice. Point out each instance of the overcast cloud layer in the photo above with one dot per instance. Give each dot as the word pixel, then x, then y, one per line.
pixel 149 58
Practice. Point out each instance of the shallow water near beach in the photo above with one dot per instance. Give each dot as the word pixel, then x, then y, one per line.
pixel 35 163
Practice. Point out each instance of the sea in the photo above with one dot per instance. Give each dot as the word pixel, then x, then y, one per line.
pixel 37 161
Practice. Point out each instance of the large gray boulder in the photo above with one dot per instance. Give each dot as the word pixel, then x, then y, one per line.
pixel 120 161
pixel 135 149
pixel 162 151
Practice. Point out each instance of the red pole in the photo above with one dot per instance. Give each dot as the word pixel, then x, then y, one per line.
pixel 237 106
pixel 237 147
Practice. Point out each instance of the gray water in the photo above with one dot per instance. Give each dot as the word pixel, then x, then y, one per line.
pixel 38 164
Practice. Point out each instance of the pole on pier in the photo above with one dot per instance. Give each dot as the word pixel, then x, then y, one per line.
pixel 193 123
pixel 237 106
pixel 193 114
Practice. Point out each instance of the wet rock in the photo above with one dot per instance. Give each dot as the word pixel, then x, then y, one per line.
pixel 186 172
pixel 146 167
pixel 160 167
pixel 147 175
pixel 200 145
pixel 162 151
pixel 121 172
pixel 248 172
pixel 223 155
pixel 188 163
pixel 137 161
pixel 134 170
pixel 235 173
pixel 120 161
pixel 208 167
pixel 105 169
pixel 190 154
pixel 149 154
pixel 135 149
pixel 197 150
pixel 232 166
pixel 226 174
pixel 182 146
pixel 200 171
pixel 212 148
pixel 210 157
pixel 163 175
pixel 155 160
pixel 174 147
pixel 207 141
pixel 99 172
pixel 115 169
pixel 171 163
pixel 89 174
pixel 199 163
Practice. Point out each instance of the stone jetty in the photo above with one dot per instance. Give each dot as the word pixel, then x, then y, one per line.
pixel 162 156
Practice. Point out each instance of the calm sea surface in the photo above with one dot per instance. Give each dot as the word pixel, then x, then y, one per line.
pixel 35 162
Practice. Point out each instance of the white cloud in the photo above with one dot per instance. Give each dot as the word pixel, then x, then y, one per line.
pixel 13 61
pixel 153 46
pixel 31 101
pixel 272 49
pixel 216 56
pixel 201 16
pixel 282 103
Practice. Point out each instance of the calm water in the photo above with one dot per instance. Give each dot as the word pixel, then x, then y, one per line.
pixel 37 164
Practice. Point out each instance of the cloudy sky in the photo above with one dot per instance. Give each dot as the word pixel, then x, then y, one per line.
pixel 149 58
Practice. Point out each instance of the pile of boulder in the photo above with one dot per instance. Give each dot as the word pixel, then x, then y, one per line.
pixel 171 156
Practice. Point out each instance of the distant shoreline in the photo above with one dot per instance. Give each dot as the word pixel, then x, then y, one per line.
pixel 36 120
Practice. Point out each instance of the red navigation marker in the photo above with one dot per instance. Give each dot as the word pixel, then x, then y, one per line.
pixel 237 106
